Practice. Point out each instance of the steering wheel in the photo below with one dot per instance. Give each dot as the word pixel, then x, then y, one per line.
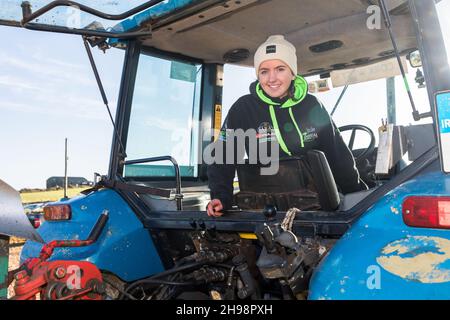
pixel 364 152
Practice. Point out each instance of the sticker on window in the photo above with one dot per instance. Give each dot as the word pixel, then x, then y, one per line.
pixel 183 71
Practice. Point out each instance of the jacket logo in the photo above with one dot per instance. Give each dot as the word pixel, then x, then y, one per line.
pixel 310 135
pixel 265 132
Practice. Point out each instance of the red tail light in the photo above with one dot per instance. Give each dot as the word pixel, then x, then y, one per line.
pixel 58 212
pixel 37 223
pixel 427 212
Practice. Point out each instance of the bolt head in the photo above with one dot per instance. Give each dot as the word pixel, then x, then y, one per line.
pixel 60 272
pixel 20 275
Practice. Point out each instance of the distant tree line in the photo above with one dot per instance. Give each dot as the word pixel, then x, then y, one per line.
pixel 72 182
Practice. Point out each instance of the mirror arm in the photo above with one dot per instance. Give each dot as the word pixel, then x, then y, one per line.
pixel 388 23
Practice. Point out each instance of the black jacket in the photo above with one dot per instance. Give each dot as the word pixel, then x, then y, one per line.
pixel 317 129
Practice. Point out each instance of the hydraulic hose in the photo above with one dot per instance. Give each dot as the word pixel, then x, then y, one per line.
pixel 163 274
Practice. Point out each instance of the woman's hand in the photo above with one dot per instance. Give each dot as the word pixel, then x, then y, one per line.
pixel 214 208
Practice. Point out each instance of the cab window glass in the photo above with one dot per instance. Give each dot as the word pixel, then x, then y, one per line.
pixel 164 117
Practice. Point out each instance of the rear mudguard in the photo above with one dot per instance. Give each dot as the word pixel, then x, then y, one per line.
pixel 124 247
pixel 382 258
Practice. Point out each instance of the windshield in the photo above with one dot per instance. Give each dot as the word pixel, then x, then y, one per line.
pixel 164 117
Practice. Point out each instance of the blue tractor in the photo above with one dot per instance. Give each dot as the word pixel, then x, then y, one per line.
pixel 145 219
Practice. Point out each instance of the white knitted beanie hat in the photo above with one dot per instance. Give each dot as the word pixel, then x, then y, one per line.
pixel 276 47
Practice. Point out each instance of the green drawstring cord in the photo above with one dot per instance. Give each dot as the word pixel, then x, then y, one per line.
pixel 296 127
pixel 278 132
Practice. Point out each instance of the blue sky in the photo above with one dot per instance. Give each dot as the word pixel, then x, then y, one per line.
pixel 48 92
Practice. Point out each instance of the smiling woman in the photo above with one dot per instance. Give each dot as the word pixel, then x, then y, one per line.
pixel 278 102
pixel 275 78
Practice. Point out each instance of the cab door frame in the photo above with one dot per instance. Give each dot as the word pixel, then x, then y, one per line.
pixel 211 96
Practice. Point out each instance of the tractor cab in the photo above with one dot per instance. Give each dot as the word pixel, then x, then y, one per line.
pixel 179 83
pixel 178 54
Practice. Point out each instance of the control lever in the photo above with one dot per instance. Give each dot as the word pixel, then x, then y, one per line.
pixel 267 238
pixel 249 288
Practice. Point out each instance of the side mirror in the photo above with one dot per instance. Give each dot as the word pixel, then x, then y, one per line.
pixel 414 59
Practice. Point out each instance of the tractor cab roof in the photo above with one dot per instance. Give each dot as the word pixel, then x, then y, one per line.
pixel 328 35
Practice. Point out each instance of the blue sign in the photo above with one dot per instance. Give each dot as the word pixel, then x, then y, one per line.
pixel 443 109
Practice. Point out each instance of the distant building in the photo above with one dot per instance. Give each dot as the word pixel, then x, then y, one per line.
pixel 55 182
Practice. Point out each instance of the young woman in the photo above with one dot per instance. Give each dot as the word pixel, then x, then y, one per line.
pixel 280 108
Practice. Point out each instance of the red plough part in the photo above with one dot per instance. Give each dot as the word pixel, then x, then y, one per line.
pixel 60 280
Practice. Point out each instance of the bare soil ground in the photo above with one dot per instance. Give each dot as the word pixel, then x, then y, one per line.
pixel 15 248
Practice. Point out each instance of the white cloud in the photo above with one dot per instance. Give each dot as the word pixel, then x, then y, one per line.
pixel 46 70
pixel 68 108
pixel 41 56
pixel 13 82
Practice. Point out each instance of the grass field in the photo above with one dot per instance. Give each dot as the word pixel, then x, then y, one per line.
pixel 45 196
